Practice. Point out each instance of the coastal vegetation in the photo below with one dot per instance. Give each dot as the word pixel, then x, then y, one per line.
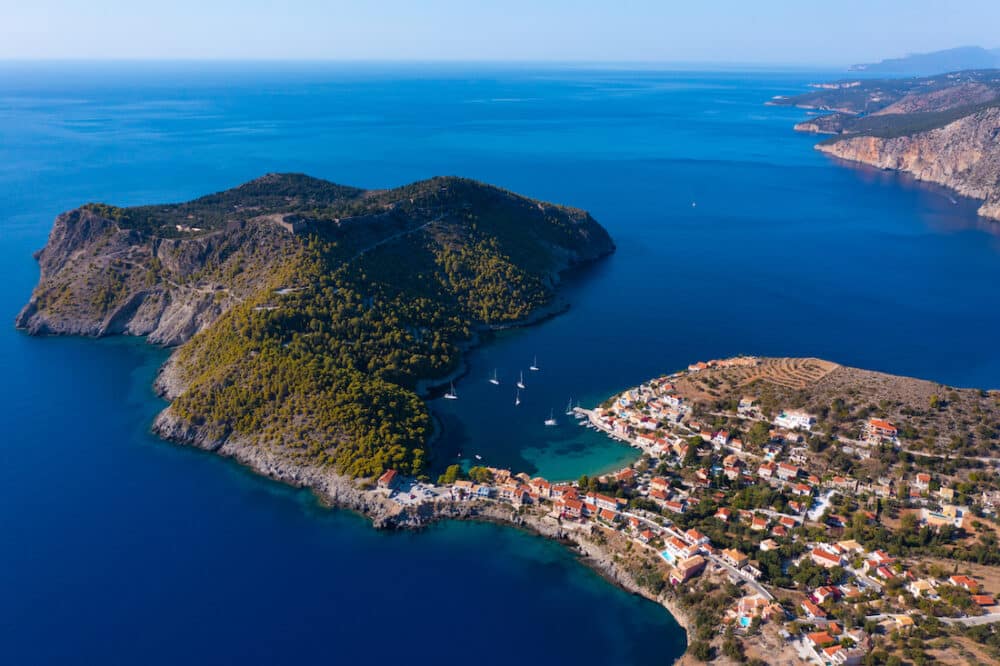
pixel 330 307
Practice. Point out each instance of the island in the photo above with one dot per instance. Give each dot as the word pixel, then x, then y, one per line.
pixel 941 129
pixel 783 510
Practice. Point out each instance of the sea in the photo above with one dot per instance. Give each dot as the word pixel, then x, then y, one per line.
pixel 734 236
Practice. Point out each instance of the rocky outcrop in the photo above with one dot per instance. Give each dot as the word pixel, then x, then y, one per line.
pixel 963 155
pixel 98 278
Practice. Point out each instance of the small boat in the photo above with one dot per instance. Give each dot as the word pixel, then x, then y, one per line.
pixel 451 395
pixel 534 365
pixel 494 379
pixel 517 398
pixel 478 457
pixel 569 407
pixel 520 382
pixel 551 421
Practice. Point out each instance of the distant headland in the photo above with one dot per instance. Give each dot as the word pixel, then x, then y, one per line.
pixel 941 129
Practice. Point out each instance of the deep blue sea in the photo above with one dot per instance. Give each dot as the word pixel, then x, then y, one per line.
pixel 733 235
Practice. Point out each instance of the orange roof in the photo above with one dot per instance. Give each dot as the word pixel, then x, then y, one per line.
pixel 820 638
pixel 830 557
pixel 983 600
pixel 882 424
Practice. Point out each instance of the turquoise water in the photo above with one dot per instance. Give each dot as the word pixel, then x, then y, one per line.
pixel 119 548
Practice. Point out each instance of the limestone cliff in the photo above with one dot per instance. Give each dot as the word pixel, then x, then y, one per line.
pixel 963 155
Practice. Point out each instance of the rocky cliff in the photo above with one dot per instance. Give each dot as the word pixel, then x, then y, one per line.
pixel 100 278
pixel 963 155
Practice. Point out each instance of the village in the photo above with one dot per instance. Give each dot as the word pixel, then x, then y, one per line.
pixel 807 547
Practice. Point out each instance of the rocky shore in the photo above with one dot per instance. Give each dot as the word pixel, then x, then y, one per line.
pixel 341 492
pixel 963 155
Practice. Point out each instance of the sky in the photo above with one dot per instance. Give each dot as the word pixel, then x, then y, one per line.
pixel 784 32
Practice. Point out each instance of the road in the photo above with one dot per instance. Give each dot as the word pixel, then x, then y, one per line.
pixel 973 621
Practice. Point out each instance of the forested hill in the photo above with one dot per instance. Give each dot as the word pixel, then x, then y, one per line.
pixel 306 312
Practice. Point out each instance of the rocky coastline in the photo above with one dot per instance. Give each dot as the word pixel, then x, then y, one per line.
pixel 340 492
pixel 963 155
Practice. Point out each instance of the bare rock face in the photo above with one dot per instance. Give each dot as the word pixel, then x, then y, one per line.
pixel 963 155
pixel 100 279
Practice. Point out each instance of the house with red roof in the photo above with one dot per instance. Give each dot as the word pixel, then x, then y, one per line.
pixel 389 479
pixel 687 568
pixel 881 429
pixel 572 508
pixel 812 611
pixel 970 584
pixel 787 472
pixel 825 558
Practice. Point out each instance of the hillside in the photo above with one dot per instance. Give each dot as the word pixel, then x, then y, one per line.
pixel 941 129
pixel 935 62
pixel 932 417
pixel 308 314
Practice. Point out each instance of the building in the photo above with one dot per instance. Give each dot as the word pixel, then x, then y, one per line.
pixel 948 515
pixel 389 479
pixel 734 558
pixel 795 420
pixel 920 588
pixel 687 568
pixel 787 472
pixel 970 584
pixel 811 610
pixel 695 537
pixel 879 429
pixel 723 514
pixel 825 558
pixel 572 508
pixel 769 544
pixel 923 481
pixel 540 487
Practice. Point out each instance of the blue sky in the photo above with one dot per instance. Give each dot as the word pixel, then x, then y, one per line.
pixel 735 31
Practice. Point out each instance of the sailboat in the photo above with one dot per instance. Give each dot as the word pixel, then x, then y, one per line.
pixel 551 421
pixel 534 365
pixel 520 382
pixel 569 407
pixel 517 398
pixel 494 379
pixel 451 395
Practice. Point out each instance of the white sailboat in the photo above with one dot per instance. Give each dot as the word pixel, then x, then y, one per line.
pixel 569 407
pixel 534 365
pixel 517 398
pixel 494 379
pixel 520 382
pixel 478 457
pixel 451 395
pixel 551 421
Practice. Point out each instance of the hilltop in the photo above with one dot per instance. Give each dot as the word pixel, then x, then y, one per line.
pixel 309 316
pixel 940 129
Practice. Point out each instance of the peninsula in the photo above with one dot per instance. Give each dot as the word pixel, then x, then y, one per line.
pixel 309 317
pixel 941 129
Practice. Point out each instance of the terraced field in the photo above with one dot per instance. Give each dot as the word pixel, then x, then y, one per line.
pixel 790 373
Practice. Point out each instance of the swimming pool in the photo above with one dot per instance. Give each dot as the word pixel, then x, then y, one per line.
pixel 667 555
